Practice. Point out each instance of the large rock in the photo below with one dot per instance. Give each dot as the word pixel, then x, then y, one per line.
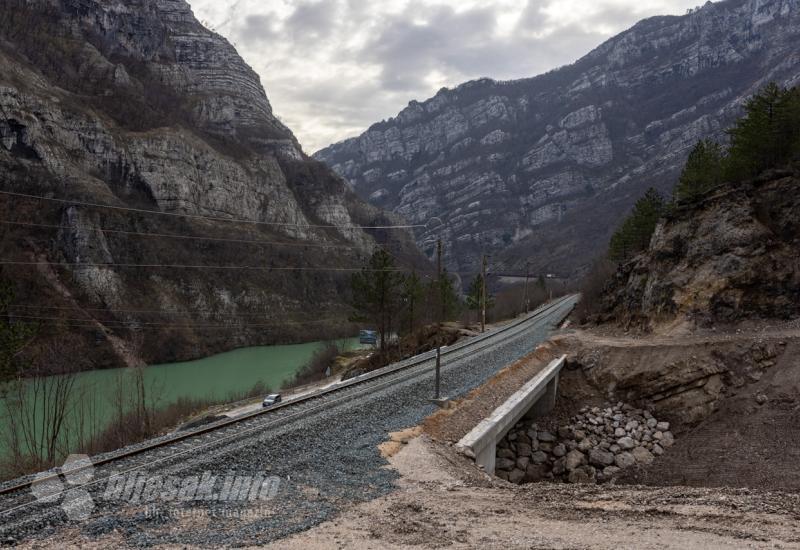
pixel 539 457
pixel 535 472
pixel 624 460
pixel 599 457
pixel 504 464
pixel 643 456
pixel 546 437
pixel 626 443
pixel 516 475
pixel 574 459
pixel 506 453
pixel 582 474
pixel 523 449
pixel 740 268
pixel 560 466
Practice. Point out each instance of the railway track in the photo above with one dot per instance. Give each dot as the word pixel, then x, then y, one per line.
pixel 175 450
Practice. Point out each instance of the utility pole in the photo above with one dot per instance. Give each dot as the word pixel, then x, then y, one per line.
pixel 483 294
pixel 525 301
pixel 441 317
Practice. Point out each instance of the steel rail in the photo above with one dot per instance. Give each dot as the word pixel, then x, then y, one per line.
pixel 403 367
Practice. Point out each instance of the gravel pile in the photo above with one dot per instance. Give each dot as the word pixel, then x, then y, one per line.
pixel 594 447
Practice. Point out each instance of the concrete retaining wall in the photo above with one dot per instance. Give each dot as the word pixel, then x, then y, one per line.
pixel 535 398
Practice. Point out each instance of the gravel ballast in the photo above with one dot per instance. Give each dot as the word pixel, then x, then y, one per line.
pixel 326 461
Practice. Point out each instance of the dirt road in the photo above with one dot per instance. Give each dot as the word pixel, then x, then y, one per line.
pixel 444 502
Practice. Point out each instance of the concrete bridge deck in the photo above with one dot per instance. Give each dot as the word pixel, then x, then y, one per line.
pixel 536 398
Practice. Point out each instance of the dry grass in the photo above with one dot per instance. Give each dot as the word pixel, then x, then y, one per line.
pixel 129 429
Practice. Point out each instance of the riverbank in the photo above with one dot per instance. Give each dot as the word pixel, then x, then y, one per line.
pixel 109 408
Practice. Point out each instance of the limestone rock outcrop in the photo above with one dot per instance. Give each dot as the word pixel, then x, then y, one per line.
pixel 137 106
pixel 543 169
pixel 733 255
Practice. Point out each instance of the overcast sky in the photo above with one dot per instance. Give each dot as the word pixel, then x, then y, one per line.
pixel 333 67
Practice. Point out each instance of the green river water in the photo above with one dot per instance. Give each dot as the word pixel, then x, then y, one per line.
pixel 217 377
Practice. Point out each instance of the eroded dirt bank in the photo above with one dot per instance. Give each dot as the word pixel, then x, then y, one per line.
pixel 733 400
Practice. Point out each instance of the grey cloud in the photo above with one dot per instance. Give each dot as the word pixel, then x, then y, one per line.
pixel 407 52
pixel 255 29
pixel 461 45
pixel 533 19
pixel 312 20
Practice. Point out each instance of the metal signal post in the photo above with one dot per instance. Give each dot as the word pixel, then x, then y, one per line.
pixel 483 294
pixel 525 301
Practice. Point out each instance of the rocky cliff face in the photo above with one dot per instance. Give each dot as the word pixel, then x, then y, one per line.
pixel 730 257
pixel 542 169
pixel 136 105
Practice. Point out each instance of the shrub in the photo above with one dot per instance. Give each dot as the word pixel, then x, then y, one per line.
pixel 314 371
pixel 636 231
pixel 703 171
pixel 593 289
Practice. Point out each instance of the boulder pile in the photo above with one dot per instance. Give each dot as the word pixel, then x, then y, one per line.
pixel 594 447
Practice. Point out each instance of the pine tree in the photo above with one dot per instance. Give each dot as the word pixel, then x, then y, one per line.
pixel 13 338
pixel 764 138
pixel 789 123
pixel 376 293
pixel 443 298
pixel 475 295
pixel 703 171
pixel 412 294
pixel 636 231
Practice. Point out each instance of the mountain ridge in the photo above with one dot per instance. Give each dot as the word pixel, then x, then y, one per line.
pixel 135 105
pixel 541 168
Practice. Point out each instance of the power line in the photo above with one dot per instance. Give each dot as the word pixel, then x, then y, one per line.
pixel 201 217
pixel 246 268
pixel 209 267
pixel 176 236
pixel 133 324
pixel 141 311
